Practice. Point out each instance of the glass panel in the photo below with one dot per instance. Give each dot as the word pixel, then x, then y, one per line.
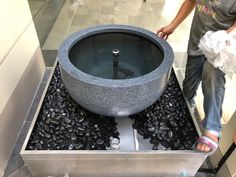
pixel 45 14
pixel 35 6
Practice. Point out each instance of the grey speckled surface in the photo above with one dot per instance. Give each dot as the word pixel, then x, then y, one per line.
pixel 115 97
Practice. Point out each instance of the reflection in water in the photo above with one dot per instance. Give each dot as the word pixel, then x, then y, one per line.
pixel 116 55
pixel 126 72
pixel 106 70
pixel 117 70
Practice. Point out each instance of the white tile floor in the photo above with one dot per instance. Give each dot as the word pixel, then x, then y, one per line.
pixel 80 14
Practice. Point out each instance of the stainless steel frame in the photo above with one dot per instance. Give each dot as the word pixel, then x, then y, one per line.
pixel 134 158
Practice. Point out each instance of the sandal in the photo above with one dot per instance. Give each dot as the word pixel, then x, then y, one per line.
pixel 208 141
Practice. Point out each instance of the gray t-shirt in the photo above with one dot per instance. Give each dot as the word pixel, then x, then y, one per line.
pixel 210 15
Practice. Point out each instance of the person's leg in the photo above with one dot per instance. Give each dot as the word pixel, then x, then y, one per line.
pixel 193 76
pixel 213 81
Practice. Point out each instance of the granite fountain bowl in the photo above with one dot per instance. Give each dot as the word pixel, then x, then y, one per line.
pixel 115 70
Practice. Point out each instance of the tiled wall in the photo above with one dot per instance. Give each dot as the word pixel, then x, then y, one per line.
pixel 21 69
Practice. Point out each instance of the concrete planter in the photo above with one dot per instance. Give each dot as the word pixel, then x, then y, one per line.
pixel 149 58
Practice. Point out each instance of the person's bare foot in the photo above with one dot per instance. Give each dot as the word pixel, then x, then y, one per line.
pixel 201 146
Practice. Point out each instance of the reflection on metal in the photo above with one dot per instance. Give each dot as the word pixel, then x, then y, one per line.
pixel 113 163
pixel 66 175
pixel 143 144
pixel 184 173
pixel 115 143
pixel 126 141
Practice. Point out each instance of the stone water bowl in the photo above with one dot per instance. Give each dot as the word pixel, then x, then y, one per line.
pixel 115 70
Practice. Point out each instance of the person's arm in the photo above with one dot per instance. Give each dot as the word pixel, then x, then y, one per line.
pixel 233 27
pixel 184 11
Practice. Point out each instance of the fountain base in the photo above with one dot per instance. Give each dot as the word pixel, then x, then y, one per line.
pixel 135 156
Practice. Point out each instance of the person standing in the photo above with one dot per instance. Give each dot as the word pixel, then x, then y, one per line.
pixel 209 15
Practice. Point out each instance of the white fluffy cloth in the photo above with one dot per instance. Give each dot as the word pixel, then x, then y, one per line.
pixel 220 49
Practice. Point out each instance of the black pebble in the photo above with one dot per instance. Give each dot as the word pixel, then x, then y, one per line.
pixel 167 121
pixel 63 125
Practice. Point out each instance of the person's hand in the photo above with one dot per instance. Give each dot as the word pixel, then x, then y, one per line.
pixel 165 31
